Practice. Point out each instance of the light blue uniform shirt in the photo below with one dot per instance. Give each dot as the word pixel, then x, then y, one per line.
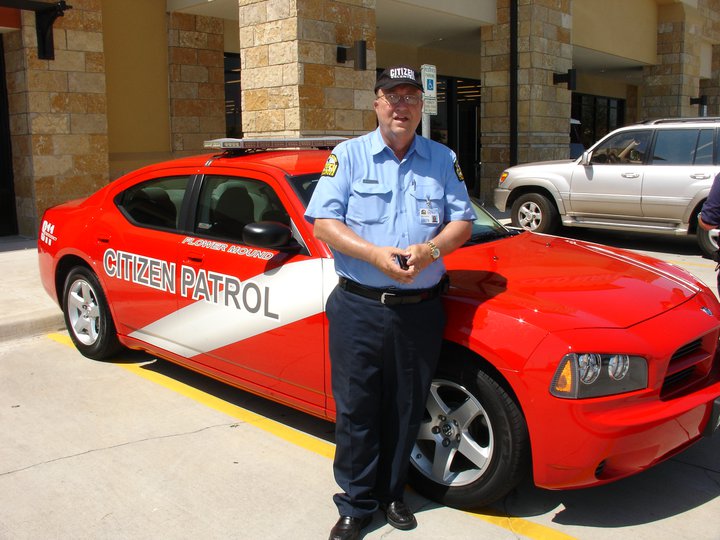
pixel 389 202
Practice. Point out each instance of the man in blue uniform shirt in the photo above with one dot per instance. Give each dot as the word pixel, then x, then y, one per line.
pixel 389 204
pixel 709 217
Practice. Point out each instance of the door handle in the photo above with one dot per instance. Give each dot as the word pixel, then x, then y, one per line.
pixel 193 258
pixel 630 175
pixel 699 176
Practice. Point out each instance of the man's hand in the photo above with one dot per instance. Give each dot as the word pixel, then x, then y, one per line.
pixel 385 260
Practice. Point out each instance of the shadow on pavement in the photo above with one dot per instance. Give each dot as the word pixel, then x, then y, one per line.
pixel 682 483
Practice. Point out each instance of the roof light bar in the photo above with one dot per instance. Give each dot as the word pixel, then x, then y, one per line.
pixel 270 143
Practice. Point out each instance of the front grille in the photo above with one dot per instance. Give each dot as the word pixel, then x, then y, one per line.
pixel 689 365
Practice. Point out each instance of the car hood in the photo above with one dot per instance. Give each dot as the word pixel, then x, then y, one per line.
pixel 542 164
pixel 560 284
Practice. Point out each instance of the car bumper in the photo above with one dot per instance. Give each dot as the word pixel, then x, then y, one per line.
pixel 500 198
pixel 578 443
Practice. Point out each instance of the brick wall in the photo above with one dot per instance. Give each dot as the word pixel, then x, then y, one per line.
pixel 544 48
pixel 291 83
pixel 197 81
pixel 57 112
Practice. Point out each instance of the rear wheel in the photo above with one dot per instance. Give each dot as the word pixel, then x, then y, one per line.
pixel 473 446
pixel 535 212
pixel 87 316
pixel 708 241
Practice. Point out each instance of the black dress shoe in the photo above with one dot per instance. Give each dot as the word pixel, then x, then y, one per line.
pixel 400 516
pixel 348 528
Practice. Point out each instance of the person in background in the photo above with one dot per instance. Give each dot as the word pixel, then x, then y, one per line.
pixel 389 204
pixel 709 217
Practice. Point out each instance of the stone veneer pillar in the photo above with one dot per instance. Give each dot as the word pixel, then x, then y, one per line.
pixel 544 48
pixel 57 111
pixel 197 81
pixel 668 86
pixel 291 82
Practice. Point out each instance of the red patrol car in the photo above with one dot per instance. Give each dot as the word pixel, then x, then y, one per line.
pixel 576 363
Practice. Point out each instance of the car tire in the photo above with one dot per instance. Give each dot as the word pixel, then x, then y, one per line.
pixel 87 316
pixel 535 212
pixel 473 445
pixel 708 242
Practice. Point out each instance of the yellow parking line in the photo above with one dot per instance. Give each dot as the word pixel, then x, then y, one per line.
pixel 516 525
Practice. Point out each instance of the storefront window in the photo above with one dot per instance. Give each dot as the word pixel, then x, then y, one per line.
pixel 233 117
pixel 598 116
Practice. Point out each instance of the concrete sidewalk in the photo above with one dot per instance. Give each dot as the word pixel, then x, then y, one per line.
pixel 27 308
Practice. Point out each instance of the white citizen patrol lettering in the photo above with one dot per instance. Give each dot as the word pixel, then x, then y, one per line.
pixel 139 269
pixel 242 309
pixel 402 73
pixel 225 290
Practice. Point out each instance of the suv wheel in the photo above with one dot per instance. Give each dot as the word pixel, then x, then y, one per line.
pixel 535 212
pixel 708 242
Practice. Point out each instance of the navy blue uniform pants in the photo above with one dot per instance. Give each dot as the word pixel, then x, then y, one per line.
pixel 383 360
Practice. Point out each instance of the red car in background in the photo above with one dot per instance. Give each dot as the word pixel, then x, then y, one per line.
pixel 573 362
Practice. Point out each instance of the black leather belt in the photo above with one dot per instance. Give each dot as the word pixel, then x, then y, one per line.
pixel 394 297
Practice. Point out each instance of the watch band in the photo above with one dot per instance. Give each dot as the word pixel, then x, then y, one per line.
pixel 434 251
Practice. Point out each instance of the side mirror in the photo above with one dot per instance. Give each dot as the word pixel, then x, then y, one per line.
pixel 585 158
pixel 267 234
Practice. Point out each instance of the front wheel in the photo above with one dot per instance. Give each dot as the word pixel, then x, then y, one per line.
pixel 473 446
pixel 535 212
pixel 87 316
pixel 708 242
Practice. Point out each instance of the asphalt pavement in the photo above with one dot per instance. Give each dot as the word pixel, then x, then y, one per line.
pixel 66 462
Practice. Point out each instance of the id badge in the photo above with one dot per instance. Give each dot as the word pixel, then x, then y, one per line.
pixel 429 216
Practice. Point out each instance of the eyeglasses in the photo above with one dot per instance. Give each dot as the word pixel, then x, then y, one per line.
pixel 409 99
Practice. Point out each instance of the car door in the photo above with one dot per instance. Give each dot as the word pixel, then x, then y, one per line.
pixel 249 314
pixel 680 167
pixel 611 183
pixel 137 246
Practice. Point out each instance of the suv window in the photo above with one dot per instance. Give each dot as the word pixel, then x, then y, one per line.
pixel 155 203
pixel 625 147
pixel 683 147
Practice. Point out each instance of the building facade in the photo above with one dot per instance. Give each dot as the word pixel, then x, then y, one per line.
pixel 133 82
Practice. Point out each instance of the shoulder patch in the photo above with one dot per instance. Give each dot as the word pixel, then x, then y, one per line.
pixel 458 171
pixel 331 166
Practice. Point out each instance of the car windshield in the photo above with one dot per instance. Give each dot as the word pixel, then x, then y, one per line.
pixel 485 228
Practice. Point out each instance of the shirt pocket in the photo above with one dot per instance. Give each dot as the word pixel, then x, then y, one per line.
pixel 369 203
pixel 429 200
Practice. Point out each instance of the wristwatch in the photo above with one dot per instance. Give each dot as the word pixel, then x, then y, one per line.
pixel 434 251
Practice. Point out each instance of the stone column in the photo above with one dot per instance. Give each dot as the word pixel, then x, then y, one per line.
pixel 197 81
pixel 292 84
pixel 668 86
pixel 57 112
pixel 544 48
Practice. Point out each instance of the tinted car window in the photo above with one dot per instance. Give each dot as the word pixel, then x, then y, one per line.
pixel 155 203
pixel 625 147
pixel 675 147
pixel 228 203
pixel 704 151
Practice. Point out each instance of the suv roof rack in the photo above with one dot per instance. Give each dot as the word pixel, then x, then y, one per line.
pixel 681 120
pixel 244 146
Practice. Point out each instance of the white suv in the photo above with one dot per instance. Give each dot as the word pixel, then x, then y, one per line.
pixel 648 177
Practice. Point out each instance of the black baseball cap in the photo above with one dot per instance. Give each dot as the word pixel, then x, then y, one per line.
pixel 397 75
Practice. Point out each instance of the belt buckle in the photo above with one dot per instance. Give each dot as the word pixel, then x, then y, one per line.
pixel 384 296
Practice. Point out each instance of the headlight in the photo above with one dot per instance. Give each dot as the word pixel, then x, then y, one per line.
pixel 503 176
pixel 586 375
